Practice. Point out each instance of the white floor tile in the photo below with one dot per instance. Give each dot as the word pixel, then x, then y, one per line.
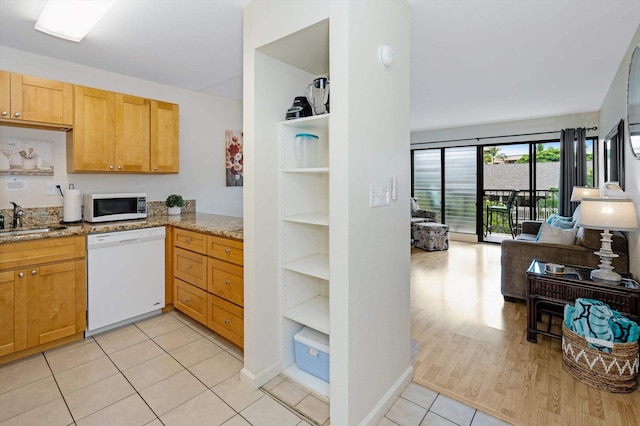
pixel 235 393
pixel 267 412
pixel 205 408
pixel 406 413
pixel 25 398
pixel 453 410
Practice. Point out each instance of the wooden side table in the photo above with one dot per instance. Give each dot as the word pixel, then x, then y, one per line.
pixel 554 291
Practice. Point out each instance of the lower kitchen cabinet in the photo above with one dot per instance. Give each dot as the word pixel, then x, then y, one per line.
pixel 208 282
pixel 42 295
pixel 226 319
pixel 190 300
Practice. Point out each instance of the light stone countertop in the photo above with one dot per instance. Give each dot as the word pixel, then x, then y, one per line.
pixel 212 224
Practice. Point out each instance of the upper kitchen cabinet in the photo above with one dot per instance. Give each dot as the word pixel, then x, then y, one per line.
pixel 115 132
pixel 132 133
pixel 35 102
pixel 165 137
pixel 91 145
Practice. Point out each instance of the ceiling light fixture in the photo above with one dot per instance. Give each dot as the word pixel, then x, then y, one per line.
pixel 71 19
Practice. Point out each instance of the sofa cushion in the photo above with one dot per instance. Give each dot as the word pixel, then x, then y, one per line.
pixel 555 235
pixel 589 238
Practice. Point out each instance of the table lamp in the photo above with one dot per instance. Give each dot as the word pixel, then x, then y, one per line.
pixel 580 192
pixel 608 214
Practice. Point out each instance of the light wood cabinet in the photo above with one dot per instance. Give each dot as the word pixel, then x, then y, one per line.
pixel 42 295
pixel 91 145
pixel 114 132
pixel 190 300
pixel 165 152
pixel 27 100
pixel 132 133
pixel 208 281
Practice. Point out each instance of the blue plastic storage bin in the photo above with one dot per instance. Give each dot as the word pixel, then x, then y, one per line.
pixel 311 349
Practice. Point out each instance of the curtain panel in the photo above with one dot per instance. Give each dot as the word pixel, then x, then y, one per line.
pixel 573 167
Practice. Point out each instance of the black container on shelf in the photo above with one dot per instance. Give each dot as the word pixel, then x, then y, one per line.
pixel 299 109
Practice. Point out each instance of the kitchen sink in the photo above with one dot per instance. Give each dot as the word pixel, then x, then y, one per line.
pixel 24 231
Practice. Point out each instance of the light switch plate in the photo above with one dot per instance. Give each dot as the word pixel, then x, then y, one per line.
pixel 379 194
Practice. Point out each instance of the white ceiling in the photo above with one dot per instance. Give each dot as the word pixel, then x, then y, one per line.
pixel 472 61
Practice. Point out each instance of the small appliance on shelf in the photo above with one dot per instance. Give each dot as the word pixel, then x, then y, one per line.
pixel 299 109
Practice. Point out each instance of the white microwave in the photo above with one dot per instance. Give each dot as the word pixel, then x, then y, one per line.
pixel 108 207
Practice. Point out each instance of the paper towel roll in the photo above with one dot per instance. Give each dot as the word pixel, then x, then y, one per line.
pixel 72 206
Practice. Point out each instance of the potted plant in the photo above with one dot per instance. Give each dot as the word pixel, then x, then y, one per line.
pixel 174 204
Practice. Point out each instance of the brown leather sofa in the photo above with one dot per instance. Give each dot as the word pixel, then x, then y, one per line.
pixel 518 254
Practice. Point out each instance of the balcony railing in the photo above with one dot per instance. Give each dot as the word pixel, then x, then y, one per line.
pixel 543 204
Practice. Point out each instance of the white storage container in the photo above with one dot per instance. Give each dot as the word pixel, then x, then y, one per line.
pixel 312 352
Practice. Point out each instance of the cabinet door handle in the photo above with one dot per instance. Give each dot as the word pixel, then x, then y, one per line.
pixel 21 274
pixel 110 166
pixel 17 114
pixel 187 267
pixel 187 240
pixel 155 169
pixel 227 250
pixel 34 272
pixel 4 113
pixel 187 300
pixel 227 282
pixel 227 321
pixel 119 167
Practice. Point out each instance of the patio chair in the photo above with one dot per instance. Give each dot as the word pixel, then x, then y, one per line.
pixel 499 211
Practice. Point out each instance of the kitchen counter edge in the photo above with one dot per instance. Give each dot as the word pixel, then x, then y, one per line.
pixel 207 223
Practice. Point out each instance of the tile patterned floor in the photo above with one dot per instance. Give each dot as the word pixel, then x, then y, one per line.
pixel 169 370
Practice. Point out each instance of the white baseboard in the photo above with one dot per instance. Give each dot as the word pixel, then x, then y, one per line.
pixel 255 380
pixel 389 398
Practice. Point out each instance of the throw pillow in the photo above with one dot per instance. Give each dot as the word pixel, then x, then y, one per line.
pixel 576 214
pixel 589 238
pixel 550 234
pixel 558 217
pixel 560 222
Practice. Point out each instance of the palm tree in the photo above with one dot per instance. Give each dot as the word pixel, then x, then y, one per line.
pixel 493 154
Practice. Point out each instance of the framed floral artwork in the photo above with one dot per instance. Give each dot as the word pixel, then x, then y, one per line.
pixel 233 145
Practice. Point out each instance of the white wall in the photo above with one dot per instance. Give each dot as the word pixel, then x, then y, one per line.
pixel 614 107
pixel 203 121
pixel 433 138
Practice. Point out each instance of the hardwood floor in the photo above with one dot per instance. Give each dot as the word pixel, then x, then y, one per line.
pixel 473 347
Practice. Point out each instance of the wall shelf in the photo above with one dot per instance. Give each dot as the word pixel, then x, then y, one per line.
pixel 313 313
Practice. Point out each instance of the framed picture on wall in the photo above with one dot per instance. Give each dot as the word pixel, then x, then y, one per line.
pixel 233 145
pixel 26 157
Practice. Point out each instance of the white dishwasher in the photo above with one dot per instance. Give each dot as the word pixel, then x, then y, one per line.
pixel 125 277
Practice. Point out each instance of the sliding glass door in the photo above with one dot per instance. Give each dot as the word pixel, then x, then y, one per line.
pixel 444 180
pixel 463 183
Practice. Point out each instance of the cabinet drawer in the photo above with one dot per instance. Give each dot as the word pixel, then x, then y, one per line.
pixel 226 280
pixel 190 267
pixel 35 252
pixel 190 240
pixel 226 319
pixel 227 250
pixel 190 300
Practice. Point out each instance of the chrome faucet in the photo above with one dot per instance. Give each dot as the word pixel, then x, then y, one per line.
pixel 17 215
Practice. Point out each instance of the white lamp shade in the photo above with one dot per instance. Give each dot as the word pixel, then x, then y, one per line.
pixel 580 192
pixel 614 214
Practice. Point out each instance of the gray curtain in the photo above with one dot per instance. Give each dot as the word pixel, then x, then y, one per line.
pixel 573 167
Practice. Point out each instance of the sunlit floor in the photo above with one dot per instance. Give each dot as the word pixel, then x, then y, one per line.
pixel 473 347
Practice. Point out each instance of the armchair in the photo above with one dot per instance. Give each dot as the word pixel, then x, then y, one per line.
pixel 418 215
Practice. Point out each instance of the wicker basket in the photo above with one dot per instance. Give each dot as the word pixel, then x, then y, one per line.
pixel 615 372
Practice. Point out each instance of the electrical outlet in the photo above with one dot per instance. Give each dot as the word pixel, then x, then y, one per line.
pixel 52 189
pixel 379 195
